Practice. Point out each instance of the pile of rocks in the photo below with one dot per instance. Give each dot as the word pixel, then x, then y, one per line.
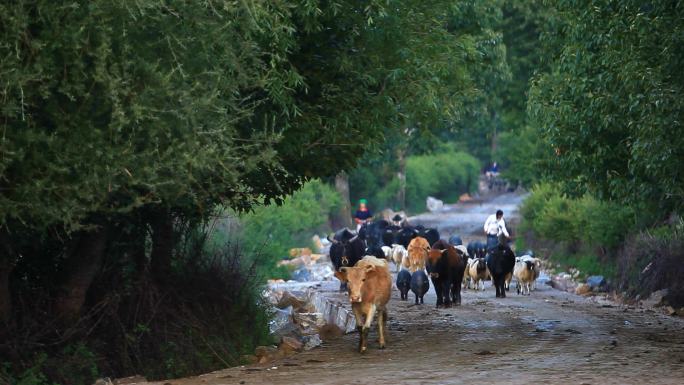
pixel 308 266
pixel 434 204
pixel 306 308
pixel 296 326
pixel 569 282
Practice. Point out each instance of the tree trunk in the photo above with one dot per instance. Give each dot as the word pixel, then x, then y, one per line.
pixel 343 217
pixel 494 133
pixel 6 267
pixel 82 267
pixel 137 251
pixel 401 175
pixel 163 241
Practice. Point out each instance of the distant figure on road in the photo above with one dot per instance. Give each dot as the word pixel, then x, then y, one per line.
pixel 363 214
pixel 492 171
pixel 494 227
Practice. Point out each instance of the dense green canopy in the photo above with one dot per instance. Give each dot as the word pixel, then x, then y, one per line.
pixel 612 103
pixel 109 106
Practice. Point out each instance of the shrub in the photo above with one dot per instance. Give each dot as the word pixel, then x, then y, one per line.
pixel 534 204
pixel 519 154
pixel 444 175
pixel 551 215
pixel 270 231
pixel 652 260
pixel 584 233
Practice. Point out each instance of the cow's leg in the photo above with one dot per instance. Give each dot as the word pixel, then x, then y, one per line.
pixel 358 315
pixel 366 328
pixel 382 319
pixel 416 298
pixel 497 286
pixel 438 291
pixel 446 292
pixel 457 289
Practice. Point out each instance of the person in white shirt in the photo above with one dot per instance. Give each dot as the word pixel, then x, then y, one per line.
pixel 494 227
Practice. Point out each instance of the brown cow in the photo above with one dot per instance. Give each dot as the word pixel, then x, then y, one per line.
pixel 370 285
pixel 446 265
pixel 418 250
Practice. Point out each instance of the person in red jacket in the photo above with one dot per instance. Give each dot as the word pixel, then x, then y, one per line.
pixel 363 214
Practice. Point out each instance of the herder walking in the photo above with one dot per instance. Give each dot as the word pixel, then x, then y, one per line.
pixel 494 227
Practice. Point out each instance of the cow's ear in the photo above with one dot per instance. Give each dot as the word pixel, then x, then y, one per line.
pixel 341 275
pixel 369 268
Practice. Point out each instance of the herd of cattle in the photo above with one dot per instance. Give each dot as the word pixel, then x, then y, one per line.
pixel 361 263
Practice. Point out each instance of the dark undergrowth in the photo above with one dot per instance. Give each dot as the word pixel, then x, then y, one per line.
pixel 205 316
pixel 654 260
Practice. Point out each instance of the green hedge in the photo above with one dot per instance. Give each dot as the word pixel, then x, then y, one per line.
pixel 445 174
pixel 551 215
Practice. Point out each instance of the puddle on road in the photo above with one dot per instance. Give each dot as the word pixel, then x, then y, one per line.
pixel 542 326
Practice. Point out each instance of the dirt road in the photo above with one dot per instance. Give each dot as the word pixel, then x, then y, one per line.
pixel 549 337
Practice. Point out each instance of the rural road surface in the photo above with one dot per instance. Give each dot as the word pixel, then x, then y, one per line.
pixel 549 337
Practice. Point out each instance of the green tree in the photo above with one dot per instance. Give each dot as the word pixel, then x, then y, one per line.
pixel 611 103
pixel 477 64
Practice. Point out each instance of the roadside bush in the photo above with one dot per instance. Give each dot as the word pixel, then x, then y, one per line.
pixel 584 233
pixel 270 231
pixel 553 216
pixel 444 175
pixel 652 260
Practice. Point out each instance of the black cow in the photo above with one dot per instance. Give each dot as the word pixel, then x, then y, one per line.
pixel 373 233
pixel 405 235
pixel 477 249
pixel 432 235
pixel 346 249
pixel 455 240
pixel 419 284
pixel 375 251
pixel 344 235
pixel 390 235
pixel 404 283
pixel 500 261
pixel 446 266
